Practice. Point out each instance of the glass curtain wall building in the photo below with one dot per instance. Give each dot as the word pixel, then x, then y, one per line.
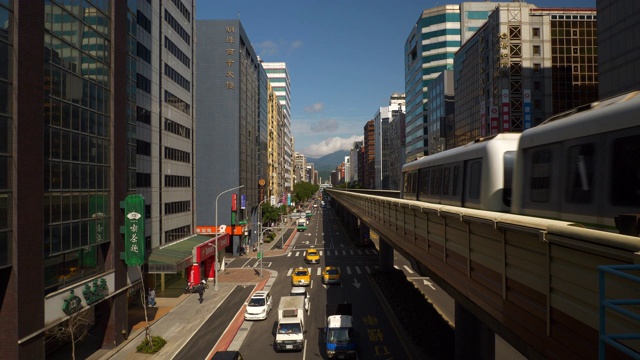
pixel 75 139
pixel 429 50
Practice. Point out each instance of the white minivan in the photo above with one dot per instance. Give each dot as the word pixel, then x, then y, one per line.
pixel 259 306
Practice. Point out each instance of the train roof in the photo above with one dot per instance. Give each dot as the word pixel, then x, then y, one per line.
pixel 505 141
pixel 619 112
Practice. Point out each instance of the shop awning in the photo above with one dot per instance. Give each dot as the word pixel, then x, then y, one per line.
pixel 176 256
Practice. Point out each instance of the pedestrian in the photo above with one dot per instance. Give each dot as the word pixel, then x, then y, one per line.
pixel 152 297
pixel 200 290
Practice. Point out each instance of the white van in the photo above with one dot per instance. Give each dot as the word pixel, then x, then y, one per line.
pixel 259 306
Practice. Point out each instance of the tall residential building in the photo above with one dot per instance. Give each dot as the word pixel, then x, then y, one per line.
pixel 382 138
pixel 165 119
pixel 369 156
pixel 618 50
pixel 429 50
pixel 279 80
pixel 300 167
pixel 275 181
pixel 354 173
pixel 68 116
pixel 230 126
pixel 524 65
pixel 397 152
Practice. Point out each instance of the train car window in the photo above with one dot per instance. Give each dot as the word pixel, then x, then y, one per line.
pixel 509 159
pixel 414 183
pixel 580 168
pixel 436 181
pixel 423 184
pixel 454 186
pixel 475 176
pixel 446 177
pixel 540 175
pixel 625 171
pixel 408 180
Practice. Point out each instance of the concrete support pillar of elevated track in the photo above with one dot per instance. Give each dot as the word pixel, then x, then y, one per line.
pixel 473 338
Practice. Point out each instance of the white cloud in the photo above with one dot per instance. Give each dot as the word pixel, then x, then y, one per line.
pixel 271 48
pixel 267 48
pixel 317 107
pixel 330 145
pixel 325 125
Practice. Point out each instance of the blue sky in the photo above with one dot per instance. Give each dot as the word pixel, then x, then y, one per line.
pixel 345 57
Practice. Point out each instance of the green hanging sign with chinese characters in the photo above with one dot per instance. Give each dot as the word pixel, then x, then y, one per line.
pixel 134 230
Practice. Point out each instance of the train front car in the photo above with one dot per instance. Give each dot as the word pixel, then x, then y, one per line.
pixel 476 175
pixel 583 165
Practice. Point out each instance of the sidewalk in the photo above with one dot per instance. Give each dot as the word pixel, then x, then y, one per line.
pixel 176 319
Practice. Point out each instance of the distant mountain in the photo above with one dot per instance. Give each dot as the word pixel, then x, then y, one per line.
pixel 324 165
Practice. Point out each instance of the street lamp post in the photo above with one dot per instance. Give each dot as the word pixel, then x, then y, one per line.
pixel 215 273
pixel 260 242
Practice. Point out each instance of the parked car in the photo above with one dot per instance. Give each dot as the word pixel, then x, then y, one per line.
pixel 258 306
pixel 301 277
pixel 312 256
pixel 331 275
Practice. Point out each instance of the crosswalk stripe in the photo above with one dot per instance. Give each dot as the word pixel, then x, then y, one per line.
pixel 289 254
pixel 358 270
pixel 348 270
pixel 408 269
pixel 368 270
pixel 319 271
pixel 290 272
pixel 396 266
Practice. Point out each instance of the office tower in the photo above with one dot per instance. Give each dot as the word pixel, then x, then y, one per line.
pixel 429 50
pixel 383 141
pixel 68 160
pixel 229 123
pixel 524 65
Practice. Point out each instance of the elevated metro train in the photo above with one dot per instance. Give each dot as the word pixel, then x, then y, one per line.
pixel 580 166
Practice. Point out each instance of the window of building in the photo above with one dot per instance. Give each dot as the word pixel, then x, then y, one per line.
pixel 535 32
pixel 536 68
pixel 537 50
pixel 537 104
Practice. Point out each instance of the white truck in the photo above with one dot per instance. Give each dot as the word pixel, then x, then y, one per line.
pixel 290 330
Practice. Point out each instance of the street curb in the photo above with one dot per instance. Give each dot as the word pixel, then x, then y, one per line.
pixel 238 321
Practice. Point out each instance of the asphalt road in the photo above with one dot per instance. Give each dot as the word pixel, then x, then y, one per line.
pixel 377 335
pixel 203 341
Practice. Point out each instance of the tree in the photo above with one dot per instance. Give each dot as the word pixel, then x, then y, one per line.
pixel 302 191
pixel 270 213
pixel 72 330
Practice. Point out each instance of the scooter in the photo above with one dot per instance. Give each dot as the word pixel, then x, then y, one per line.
pixel 191 287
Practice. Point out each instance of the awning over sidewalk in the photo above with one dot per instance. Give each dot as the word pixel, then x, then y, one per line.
pixel 176 256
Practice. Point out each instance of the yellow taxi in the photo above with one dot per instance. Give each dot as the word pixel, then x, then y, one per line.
pixel 301 277
pixel 312 257
pixel 331 275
